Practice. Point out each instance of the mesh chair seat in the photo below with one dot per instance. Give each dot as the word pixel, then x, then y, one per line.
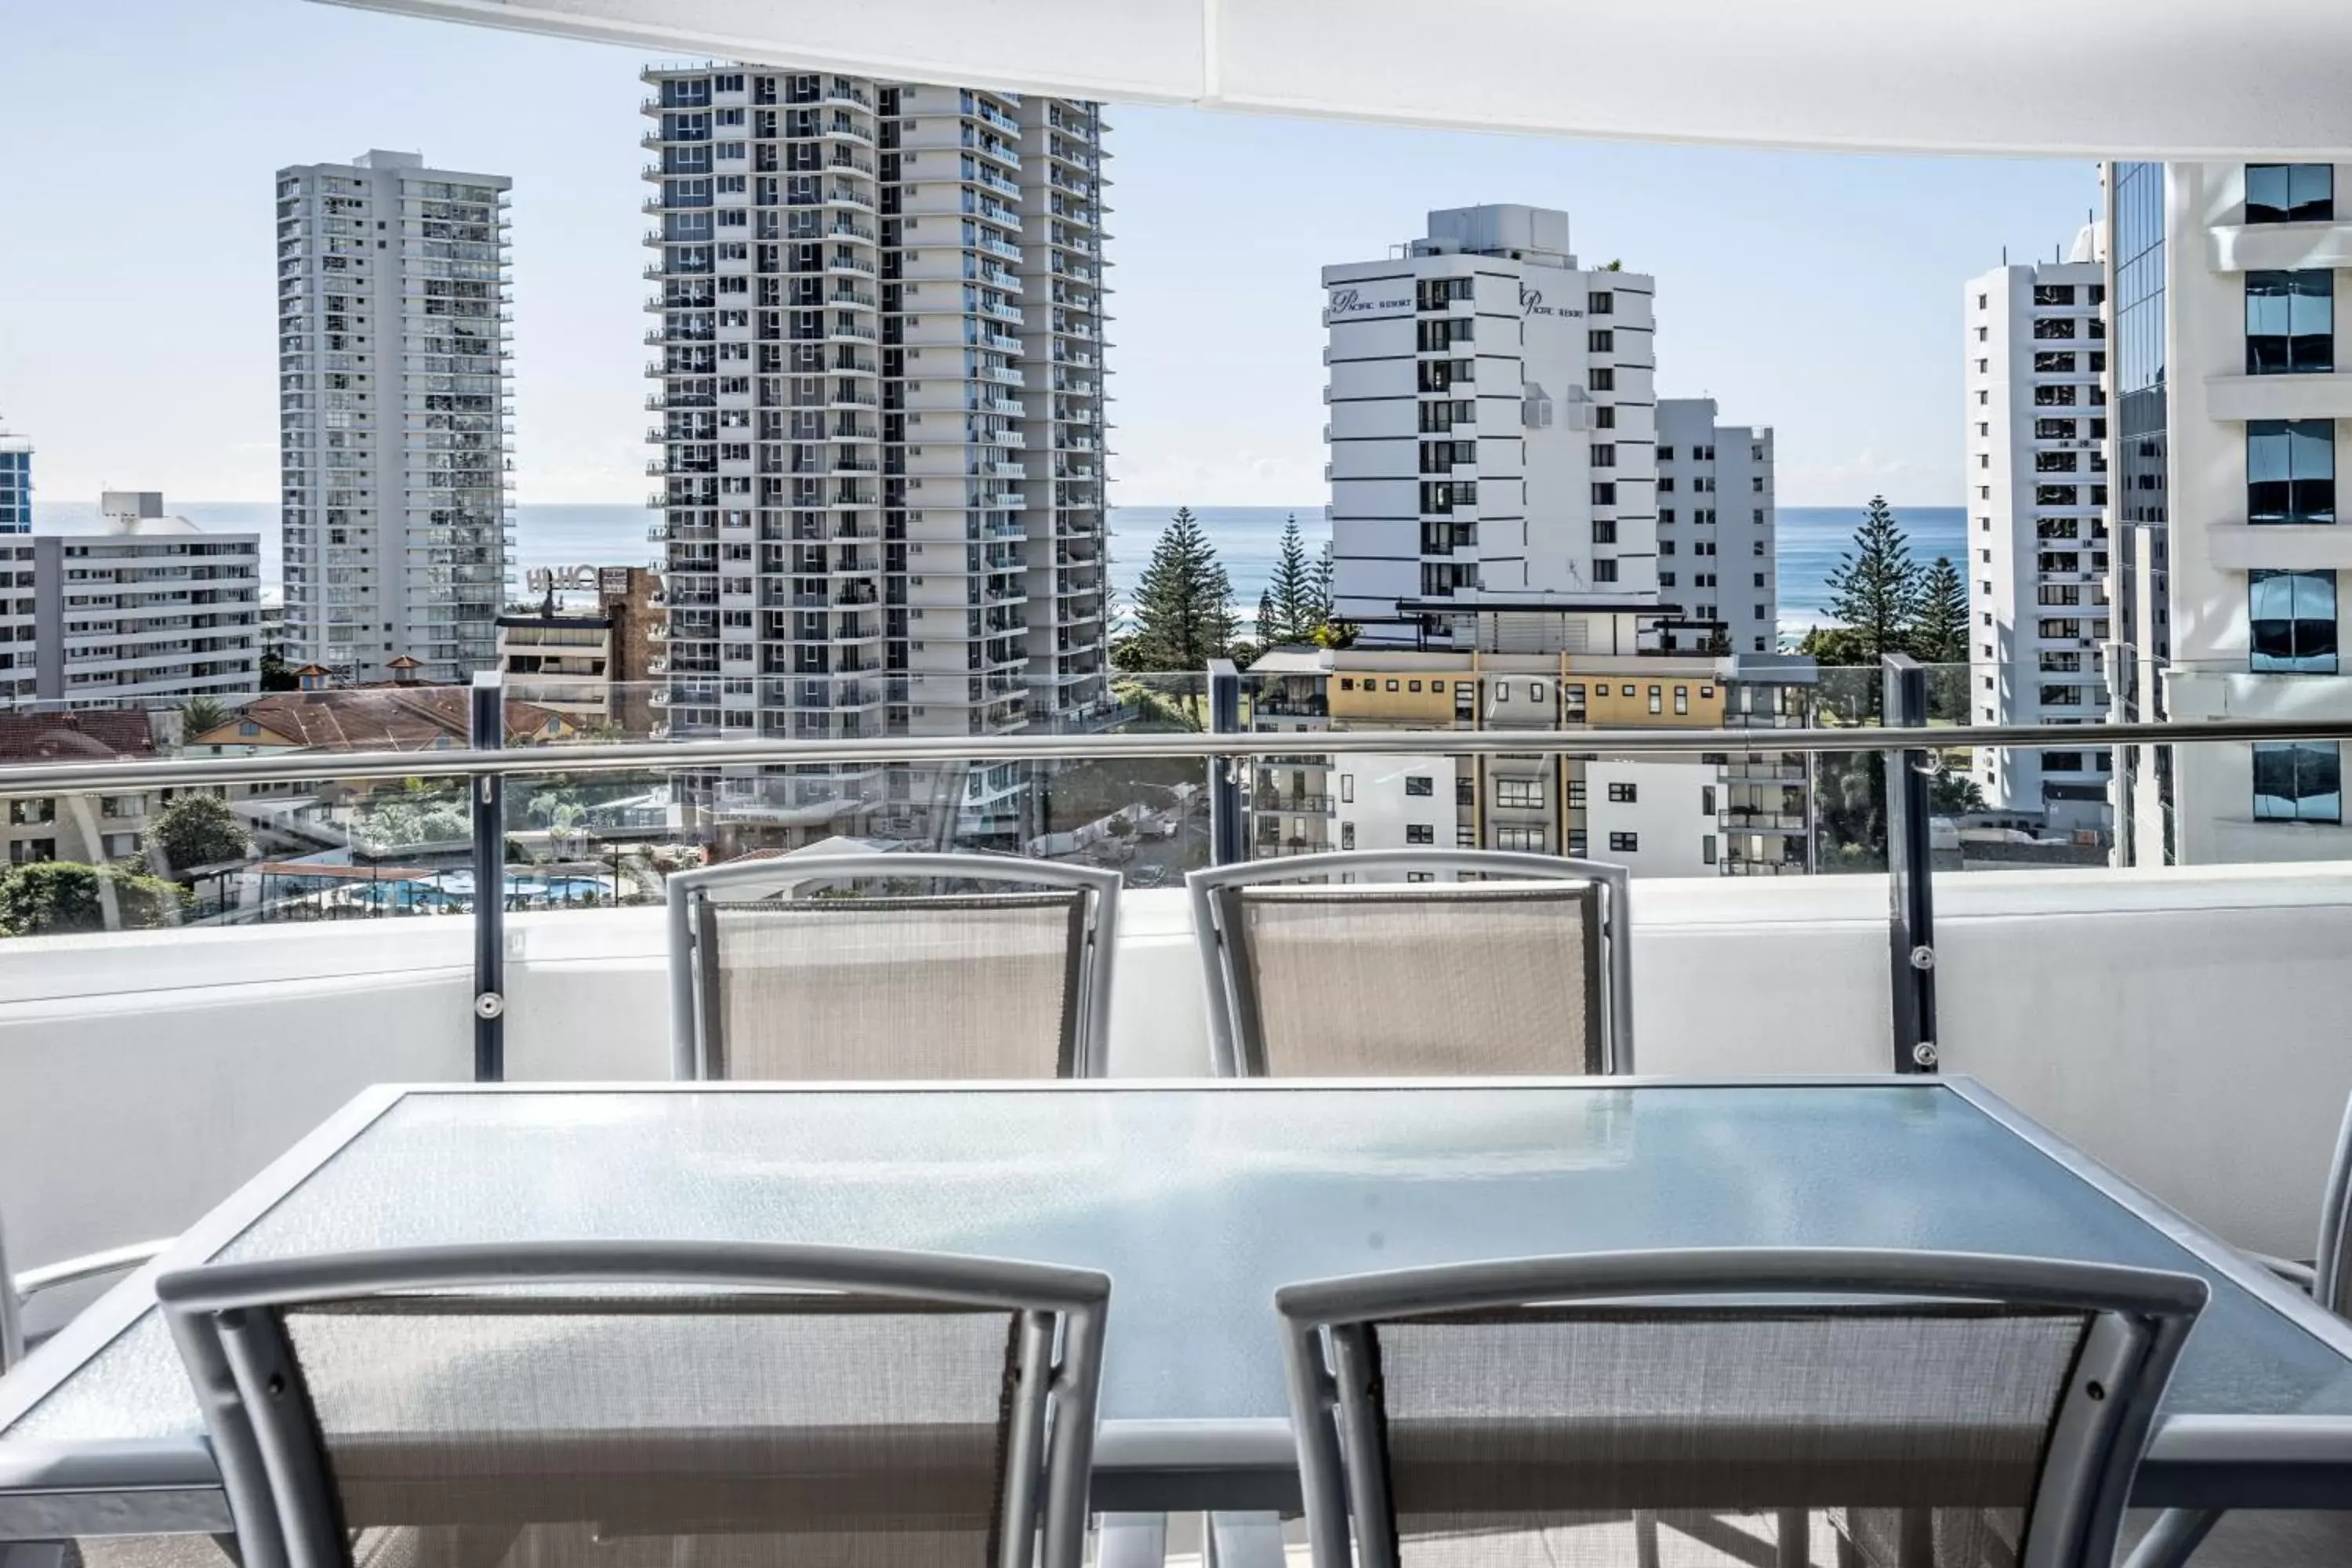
pixel 1419 980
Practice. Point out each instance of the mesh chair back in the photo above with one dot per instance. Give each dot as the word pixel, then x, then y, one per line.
pixel 647 1404
pixel 982 985
pixel 532 1430
pixel 1421 979
pixel 1917 1432
pixel 1772 1405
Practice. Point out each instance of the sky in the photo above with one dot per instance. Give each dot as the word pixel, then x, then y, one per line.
pixel 1817 293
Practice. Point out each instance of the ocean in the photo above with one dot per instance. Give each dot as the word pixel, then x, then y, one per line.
pixel 1247 539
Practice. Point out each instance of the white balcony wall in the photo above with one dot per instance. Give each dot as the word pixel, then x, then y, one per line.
pixel 2180 1025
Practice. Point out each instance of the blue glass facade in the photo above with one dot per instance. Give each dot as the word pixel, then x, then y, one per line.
pixel 2138 244
pixel 16 491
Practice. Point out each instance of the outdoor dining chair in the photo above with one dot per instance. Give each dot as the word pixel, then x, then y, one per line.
pixel 18 1290
pixel 1904 1409
pixel 891 966
pixel 2247 1538
pixel 1362 963
pixel 633 1404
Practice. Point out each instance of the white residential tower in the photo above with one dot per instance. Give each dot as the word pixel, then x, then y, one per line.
pixel 394 407
pixel 2036 447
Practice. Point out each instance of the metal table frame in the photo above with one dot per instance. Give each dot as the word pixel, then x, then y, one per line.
pixel 132 1487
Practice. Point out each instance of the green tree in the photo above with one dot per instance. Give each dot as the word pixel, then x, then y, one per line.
pixel 50 897
pixel 1299 603
pixel 1874 588
pixel 1939 627
pixel 1270 628
pixel 276 675
pixel 202 713
pixel 1183 614
pixel 198 830
pixel 1330 631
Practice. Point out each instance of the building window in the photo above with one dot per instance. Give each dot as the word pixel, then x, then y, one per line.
pixel 1601 341
pixel 1420 832
pixel 2289 322
pixel 1575 841
pixel 1347 835
pixel 1604 570
pixel 2290 193
pixel 1347 789
pixel 1420 783
pixel 1624 793
pixel 1706 800
pixel 2298 780
pixel 1529 839
pixel 1604 532
pixel 31 813
pixel 2291 470
pixel 1682 699
pixel 1576 795
pixel 1624 843
pixel 1600 303
pixel 1603 456
pixel 2061 761
pixel 1519 794
pixel 1604 494
pixel 1601 378
pixel 2293 616
pixel 1464 837
pixel 1657 697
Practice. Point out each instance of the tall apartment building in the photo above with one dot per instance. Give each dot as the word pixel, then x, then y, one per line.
pixel 881 325
pixel 394 408
pixel 146 607
pixel 2140 617
pixel 1671 814
pixel 2036 452
pixel 15 484
pixel 1717 530
pixel 1493 434
pixel 2256 396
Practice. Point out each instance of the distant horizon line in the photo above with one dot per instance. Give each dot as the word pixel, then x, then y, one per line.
pixel 1116 506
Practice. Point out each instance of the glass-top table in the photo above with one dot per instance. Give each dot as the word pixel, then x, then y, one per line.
pixel 1198 1199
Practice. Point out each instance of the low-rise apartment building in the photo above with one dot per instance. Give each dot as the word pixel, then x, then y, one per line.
pixel 87 828
pixel 1656 814
pixel 590 663
pixel 146 606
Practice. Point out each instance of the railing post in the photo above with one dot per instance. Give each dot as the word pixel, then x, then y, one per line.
pixel 1911 914
pixel 487 801
pixel 1228 841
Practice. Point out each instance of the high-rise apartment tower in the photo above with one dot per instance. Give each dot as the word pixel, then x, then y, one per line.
pixel 393 411
pixel 2236 596
pixel 2036 449
pixel 880 325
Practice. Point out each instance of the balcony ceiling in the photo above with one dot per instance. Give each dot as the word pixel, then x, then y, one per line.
pixel 2170 78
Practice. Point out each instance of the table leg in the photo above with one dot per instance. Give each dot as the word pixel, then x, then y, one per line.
pixel 1132 1541
pixel 1242 1540
pixel 2177 1532
pixel 1793 1540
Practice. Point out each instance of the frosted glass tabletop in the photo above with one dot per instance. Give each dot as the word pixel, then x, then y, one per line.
pixel 1200 1201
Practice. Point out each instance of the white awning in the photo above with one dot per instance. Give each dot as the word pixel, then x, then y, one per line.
pixel 2153 79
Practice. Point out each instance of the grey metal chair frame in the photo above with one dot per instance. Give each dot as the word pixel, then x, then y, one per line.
pixel 16 1289
pixel 1087 1051
pixel 226 1319
pixel 2179 1531
pixel 2097 1439
pixel 1232 1026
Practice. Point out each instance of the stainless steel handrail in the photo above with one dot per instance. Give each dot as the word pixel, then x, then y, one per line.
pixel 657 756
